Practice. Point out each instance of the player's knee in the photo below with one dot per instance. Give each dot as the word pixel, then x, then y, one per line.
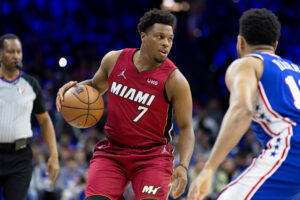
pixel 97 197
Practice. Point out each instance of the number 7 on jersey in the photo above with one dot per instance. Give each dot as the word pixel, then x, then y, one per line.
pixel 144 110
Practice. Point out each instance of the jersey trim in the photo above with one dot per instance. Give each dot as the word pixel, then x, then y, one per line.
pixel 275 166
pixel 254 55
pixel 265 127
pixel 258 171
pixel 166 96
pixel 165 91
pixel 240 177
pixel 269 108
pixel 12 81
pixel 168 129
pixel 261 57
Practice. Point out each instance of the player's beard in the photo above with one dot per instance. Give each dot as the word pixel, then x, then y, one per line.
pixel 159 61
pixel 11 66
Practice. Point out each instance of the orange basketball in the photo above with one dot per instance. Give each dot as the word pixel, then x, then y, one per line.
pixel 82 106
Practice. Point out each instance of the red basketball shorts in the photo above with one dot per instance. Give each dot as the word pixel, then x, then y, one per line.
pixel 112 168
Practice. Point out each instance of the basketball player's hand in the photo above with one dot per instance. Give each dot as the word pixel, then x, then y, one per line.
pixel 201 185
pixel 52 168
pixel 61 92
pixel 179 181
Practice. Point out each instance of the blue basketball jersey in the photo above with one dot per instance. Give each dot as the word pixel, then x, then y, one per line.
pixel 275 173
pixel 277 105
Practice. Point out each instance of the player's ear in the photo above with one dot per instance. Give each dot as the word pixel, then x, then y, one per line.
pixel 275 45
pixel 238 44
pixel 143 35
pixel 241 43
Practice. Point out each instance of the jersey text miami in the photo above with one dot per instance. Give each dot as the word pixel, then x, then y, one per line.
pixel 139 114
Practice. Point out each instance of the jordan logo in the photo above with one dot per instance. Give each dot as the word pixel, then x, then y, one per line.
pixel 122 74
pixel 164 150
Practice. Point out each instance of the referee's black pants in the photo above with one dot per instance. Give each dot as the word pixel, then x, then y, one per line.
pixel 15 173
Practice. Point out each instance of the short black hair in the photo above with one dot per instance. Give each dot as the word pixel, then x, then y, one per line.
pixel 155 16
pixel 260 27
pixel 5 37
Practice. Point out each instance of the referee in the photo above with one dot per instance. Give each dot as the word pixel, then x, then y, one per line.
pixel 20 95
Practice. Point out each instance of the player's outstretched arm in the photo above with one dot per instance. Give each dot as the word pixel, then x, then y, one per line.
pixel 99 81
pixel 242 78
pixel 179 94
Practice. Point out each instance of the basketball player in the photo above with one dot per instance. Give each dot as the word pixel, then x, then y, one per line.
pixel 144 90
pixel 20 96
pixel 264 88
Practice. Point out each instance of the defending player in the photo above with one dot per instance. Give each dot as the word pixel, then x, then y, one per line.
pixel 265 88
pixel 144 90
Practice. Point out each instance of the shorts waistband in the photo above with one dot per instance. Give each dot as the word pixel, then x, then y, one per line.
pixel 14 146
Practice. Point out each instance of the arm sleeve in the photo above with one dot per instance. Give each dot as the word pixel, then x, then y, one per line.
pixel 39 105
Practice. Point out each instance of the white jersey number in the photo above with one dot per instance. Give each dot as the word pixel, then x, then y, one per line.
pixel 144 110
pixel 290 81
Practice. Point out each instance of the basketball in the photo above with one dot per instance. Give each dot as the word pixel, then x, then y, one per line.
pixel 82 106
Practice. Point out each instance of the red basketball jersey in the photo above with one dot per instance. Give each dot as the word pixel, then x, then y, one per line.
pixel 138 112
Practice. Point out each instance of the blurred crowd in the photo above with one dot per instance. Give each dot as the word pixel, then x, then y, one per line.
pixel 83 31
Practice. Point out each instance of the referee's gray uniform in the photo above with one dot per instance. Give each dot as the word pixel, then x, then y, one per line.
pixel 18 100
